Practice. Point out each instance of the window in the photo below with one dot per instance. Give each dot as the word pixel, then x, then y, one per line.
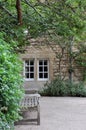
pixel 43 70
pixel 36 69
pixel 29 69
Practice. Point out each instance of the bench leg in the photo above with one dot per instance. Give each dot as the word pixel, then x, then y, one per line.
pixel 38 115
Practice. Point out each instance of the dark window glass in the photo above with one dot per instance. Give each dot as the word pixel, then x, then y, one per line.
pixel 40 69
pixel 45 75
pixel 26 69
pixel 27 62
pixel 40 62
pixel 31 75
pixel 40 75
pixel 45 62
pixel 31 62
pixel 31 69
pixel 45 68
pixel 27 75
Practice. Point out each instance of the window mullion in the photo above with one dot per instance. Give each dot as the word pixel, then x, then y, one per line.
pixel 43 69
pixel 29 69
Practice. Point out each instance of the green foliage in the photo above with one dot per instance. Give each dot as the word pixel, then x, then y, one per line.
pixel 55 88
pixel 65 18
pixel 59 87
pixel 10 84
pixel 81 59
pixel 76 89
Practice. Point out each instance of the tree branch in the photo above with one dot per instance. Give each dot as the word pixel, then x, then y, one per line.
pixel 27 2
pixel 7 11
pixel 19 12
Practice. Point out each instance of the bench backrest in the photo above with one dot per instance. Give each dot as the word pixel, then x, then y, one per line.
pixel 30 100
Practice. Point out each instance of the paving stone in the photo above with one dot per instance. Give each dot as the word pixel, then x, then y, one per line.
pixel 60 113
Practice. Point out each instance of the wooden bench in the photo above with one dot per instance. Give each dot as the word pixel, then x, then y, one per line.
pixel 29 103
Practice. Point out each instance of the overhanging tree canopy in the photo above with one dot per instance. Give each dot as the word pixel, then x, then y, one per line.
pixel 66 18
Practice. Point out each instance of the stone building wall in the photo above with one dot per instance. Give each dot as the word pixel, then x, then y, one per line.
pixel 39 50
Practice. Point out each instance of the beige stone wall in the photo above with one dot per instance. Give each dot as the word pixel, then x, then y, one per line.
pixel 36 53
pixel 37 50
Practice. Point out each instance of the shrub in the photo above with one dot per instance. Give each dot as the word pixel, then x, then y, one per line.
pixel 55 88
pixel 59 87
pixel 76 89
pixel 10 84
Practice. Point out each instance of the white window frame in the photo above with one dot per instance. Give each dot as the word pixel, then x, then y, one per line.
pixel 42 79
pixel 29 79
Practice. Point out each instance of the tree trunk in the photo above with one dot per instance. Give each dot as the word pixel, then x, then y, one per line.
pixel 19 12
pixel 70 60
